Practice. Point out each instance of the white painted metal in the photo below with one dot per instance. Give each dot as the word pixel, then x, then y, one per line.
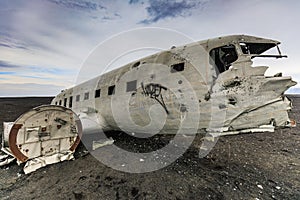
pixel 239 98
pixel 44 135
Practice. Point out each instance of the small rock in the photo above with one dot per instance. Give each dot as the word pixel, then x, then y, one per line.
pixel 278 187
pixel 142 160
pixel 78 195
pixel 260 187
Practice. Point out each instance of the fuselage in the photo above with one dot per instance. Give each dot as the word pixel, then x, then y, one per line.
pixel 209 85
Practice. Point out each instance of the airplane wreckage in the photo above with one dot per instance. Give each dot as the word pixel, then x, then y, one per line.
pixel 209 86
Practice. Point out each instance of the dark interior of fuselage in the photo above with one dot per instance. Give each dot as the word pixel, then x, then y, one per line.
pixel 222 57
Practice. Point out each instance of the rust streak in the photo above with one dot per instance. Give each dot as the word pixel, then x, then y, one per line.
pixel 12 141
pixel 77 141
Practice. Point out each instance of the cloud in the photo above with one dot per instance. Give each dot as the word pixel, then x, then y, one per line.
pixel 13 46
pixel 45 39
pixel 35 77
pixel 6 73
pixel 5 45
pixel 109 17
pixel 28 89
pixel 49 70
pixel 135 1
pixel 79 5
pixel 4 64
pixel 8 41
pixel 18 73
pixel 161 9
pixel 44 74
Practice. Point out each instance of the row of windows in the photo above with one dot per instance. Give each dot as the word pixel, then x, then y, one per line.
pixel 111 91
pixel 130 86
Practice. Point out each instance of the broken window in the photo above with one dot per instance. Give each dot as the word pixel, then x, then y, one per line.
pixel 78 97
pixel 131 86
pixel 111 90
pixel 65 102
pixel 177 67
pixel 136 64
pixel 97 93
pixel 70 101
pixel 86 95
pixel 223 57
pixel 255 48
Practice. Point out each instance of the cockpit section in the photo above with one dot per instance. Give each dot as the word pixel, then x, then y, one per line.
pixel 222 57
pixel 255 48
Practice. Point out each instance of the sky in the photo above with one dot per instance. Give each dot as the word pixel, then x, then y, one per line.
pixel 44 44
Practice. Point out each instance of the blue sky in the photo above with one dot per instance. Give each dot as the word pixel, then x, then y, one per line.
pixel 43 43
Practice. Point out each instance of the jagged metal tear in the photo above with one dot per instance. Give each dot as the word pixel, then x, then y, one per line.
pixel 253 102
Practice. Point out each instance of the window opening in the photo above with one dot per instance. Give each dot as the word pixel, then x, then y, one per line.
pixel 78 97
pixel 97 93
pixel 131 86
pixel 111 90
pixel 65 102
pixel 136 64
pixel 70 101
pixel 223 57
pixel 255 48
pixel 86 96
pixel 177 67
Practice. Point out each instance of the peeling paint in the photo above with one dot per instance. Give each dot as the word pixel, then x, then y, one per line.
pixel 44 135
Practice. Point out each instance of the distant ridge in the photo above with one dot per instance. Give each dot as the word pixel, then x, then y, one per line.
pixel 25 97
